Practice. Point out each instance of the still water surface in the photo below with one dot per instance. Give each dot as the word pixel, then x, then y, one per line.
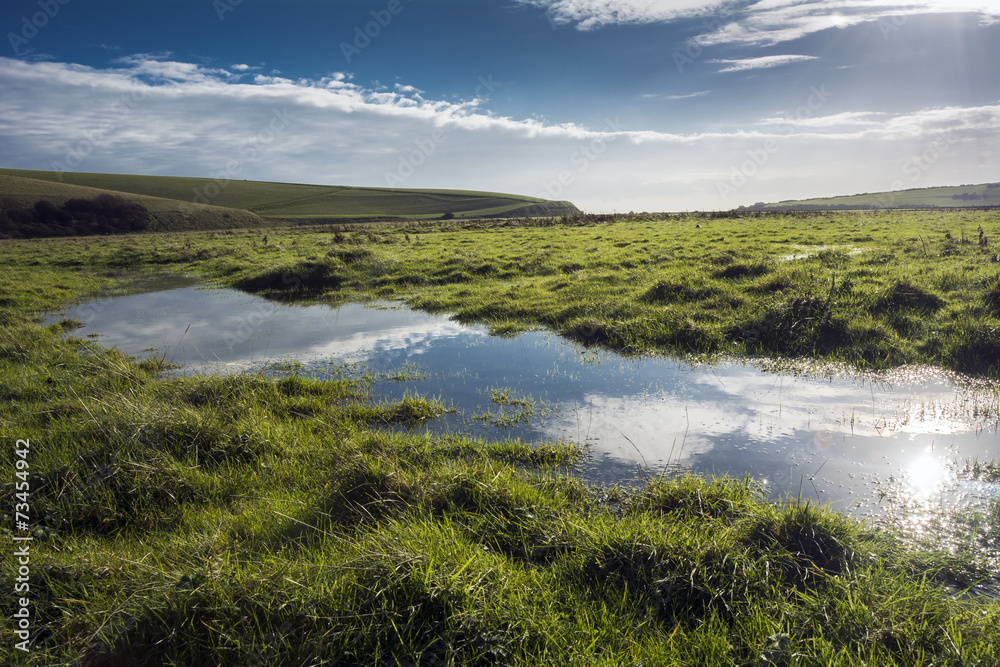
pixel 872 446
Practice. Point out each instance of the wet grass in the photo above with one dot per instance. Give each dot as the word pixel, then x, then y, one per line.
pixel 872 289
pixel 251 519
pixel 512 409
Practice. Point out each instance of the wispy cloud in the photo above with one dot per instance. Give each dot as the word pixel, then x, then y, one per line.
pixel 764 62
pixel 772 22
pixel 765 22
pixel 700 93
pixel 846 119
pixel 593 14
pixel 408 90
pixel 687 96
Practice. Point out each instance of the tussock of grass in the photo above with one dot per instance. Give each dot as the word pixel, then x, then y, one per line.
pixel 738 270
pixel 590 332
pixel 409 410
pixel 991 296
pixel 815 540
pixel 802 326
pixel 781 281
pixel 364 492
pixel 306 277
pixel 691 497
pixel 665 291
pixel 969 348
pixel 905 294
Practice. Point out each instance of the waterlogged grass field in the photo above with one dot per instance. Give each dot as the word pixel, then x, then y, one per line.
pixel 286 521
pixel 874 289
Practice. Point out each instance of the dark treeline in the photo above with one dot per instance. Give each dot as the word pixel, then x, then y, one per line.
pixel 105 214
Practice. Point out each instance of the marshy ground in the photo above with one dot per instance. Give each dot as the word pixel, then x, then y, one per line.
pixel 250 519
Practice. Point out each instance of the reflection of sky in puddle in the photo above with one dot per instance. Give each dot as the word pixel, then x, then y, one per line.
pixel 206 329
pixel 812 251
pixel 841 440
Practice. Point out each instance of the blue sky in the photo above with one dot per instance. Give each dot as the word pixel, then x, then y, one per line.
pixel 657 105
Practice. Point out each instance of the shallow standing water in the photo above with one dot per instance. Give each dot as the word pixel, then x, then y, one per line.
pixel 870 446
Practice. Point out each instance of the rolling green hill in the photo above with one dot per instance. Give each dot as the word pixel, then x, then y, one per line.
pixel 959 196
pixel 166 214
pixel 291 201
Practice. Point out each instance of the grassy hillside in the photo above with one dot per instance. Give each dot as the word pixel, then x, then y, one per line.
pixel 959 196
pixel 298 201
pixel 167 214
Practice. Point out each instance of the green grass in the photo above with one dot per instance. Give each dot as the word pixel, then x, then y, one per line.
pixel 512 409
pixel 938 197
pixel 288 521
pixel 299 202
pixel 873 290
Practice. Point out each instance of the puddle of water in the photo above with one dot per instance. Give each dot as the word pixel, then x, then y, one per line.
pixel 812 251
pixel 870 446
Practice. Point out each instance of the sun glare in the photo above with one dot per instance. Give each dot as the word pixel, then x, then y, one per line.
pixel 838 20
pixel 927 475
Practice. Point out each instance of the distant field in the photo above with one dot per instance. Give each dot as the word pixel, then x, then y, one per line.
pixel 960 196
pixel 168 214
pixel 290 200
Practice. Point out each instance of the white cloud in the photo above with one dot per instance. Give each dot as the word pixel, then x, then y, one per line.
pixel 160 69
pixel 408 90
pixel 848 118
pixel 700 93
pixel 263 80
pixel 956 123
pixel 594 14
pixel 765 22
pixel 765 62
pixel 775 21
pixel 243 68
pixel 164 117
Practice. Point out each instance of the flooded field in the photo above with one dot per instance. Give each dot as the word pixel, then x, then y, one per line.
pixel 890 447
